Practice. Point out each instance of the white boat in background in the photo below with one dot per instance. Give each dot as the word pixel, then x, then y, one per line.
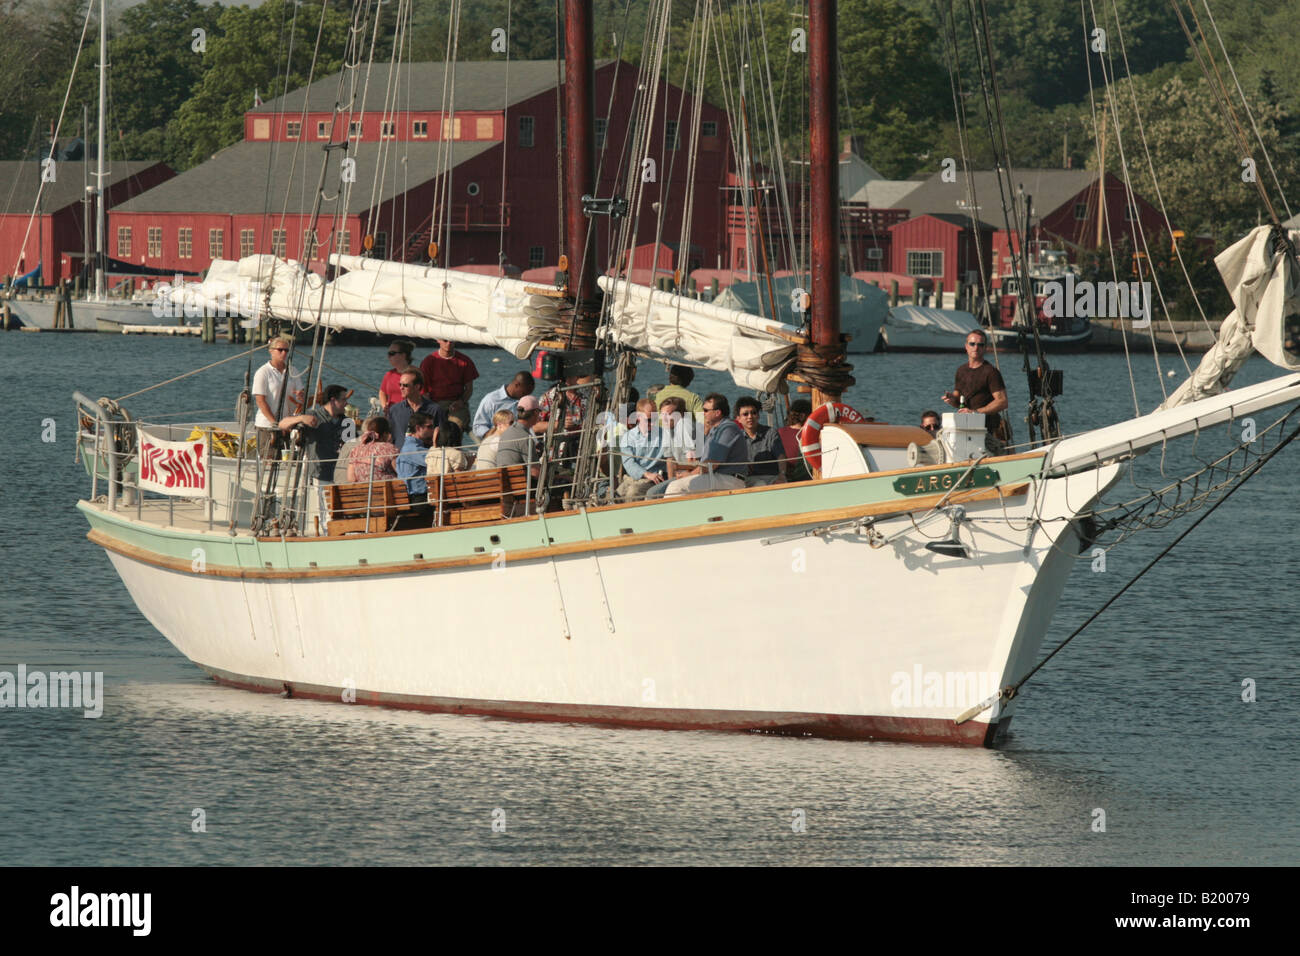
pixel 863 306
pixel 920 328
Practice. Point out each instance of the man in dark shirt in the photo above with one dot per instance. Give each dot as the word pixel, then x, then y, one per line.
pixel 399 414
pixel 979 386
pixel 322 431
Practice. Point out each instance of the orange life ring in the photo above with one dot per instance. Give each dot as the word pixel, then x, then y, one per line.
pixel 810 445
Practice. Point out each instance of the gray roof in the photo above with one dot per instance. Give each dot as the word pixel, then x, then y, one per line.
pixel 20 180
pixel 235 180
pixel 1049 188
pixel 479 85
pixel 886 193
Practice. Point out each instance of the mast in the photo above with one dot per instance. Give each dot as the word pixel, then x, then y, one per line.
pixel 822 362
pixel 579 161
pixel 99 160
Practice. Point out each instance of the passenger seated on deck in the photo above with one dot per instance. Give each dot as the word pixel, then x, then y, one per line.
pixel 487 449
pixel 643 459
pixel 372 459
pixel 518 444
pixel 763 445
pixel 796 469
pixel 446 455
pixel 410 461
pixel 931 421
pixel 724 456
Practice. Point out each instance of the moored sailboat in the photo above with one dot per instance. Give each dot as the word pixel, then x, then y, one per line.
pixel 554 602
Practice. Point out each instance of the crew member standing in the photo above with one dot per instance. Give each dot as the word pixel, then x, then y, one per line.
pixel 979 387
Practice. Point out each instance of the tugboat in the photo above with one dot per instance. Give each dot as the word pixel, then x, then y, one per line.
pixel 1061 333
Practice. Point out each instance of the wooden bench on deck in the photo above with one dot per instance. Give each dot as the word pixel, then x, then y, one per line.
pixel 362 506
pixel 469 497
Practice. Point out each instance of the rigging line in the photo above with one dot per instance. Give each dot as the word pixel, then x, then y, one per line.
pixel 1139 230
pixel 505 149
pixel 1250 471
pixel 952 54
pixel 560 91
pixel 773 117
pixel 1219 91
pixel 40 186
pixel 1102 213
pixel 1164 213
pixel 1250 115
pixel 273 152
pixel 1025 300
pixel 195 371
pixel 1135 232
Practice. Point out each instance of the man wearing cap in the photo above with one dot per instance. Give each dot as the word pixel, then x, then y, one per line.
pixel 513 447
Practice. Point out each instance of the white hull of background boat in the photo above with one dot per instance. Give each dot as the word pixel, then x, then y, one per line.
pixel 86 314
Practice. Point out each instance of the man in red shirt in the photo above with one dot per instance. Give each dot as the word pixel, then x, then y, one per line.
pixel 399 357
pixel 448 375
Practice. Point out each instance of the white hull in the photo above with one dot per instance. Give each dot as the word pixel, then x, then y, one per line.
pixel 809 635
pixel 39 313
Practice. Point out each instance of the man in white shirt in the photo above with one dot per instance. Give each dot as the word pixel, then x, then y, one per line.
pixel 268 389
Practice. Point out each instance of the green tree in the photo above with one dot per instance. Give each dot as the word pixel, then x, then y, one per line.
pixel 248 55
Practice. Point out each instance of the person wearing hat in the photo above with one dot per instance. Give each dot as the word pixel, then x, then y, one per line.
pixel 513 445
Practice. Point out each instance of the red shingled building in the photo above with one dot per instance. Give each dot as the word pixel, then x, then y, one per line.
pixel 490 168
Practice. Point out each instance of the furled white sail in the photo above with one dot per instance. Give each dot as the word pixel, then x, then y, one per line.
pixel 1264 283
pixel 394 298
pixel 390 298
pixel 676 328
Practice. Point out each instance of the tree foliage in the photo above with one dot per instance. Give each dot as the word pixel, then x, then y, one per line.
pixel 251 53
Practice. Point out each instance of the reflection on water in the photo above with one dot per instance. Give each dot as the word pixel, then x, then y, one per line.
pixel 1142 717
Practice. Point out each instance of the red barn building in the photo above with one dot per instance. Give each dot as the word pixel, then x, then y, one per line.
pixel 54 237
pixel 1066 208
pixel 481 179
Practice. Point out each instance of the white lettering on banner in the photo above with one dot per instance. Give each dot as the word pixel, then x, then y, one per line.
pixel 173 467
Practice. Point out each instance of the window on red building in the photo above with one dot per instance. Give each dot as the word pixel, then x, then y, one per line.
pixel 185 242
pixel 1080 211
pixel 420 129
pixel 278 242
pixel 216 243
pixel 927 262
pixel 309 245
pixel 526 131
pixel 247 243
pixel 709 129
pixel 671 139
pixel 123 241
pixel 155 240
pixel 602 125
pixel 536 256
pixel 381 245
pixel 293 129
pixel 323 129
pixel 343 242
pixel 387 129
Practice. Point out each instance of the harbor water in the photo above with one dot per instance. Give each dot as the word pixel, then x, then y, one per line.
pixel 1164 734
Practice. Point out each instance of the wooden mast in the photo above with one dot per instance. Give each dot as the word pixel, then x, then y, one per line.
pixel 579 175
pixel 829 375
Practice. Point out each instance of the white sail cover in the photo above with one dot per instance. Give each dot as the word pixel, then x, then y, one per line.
pixel 677 328
pixel 390 298
pixel 400 299
pixel 1265 287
